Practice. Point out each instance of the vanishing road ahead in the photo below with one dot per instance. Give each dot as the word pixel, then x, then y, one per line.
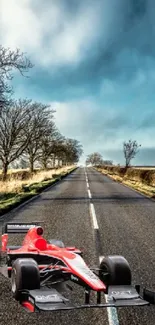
pixel 126 226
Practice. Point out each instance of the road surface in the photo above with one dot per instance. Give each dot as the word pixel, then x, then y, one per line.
pixel 124 224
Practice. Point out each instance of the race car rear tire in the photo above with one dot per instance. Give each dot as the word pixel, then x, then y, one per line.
pixel 56 242
pixel 115 270
pixel 25 275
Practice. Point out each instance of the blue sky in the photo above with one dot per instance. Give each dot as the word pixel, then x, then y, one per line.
pixel 94 63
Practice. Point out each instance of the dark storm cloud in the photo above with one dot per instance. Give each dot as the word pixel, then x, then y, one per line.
pixel 124 44
pixel 130 43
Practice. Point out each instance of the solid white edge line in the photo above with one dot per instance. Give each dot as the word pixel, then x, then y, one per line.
pixel 93 215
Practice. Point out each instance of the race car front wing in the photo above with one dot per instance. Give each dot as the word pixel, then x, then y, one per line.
pixel 118 296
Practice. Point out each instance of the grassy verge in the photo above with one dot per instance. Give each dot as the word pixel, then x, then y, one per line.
pixel 14 193
pixel 148 190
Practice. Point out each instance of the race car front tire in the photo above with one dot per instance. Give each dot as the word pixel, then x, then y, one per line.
pixel 25 275
pixel 115 270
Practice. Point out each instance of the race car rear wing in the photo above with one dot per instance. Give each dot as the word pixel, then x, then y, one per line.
pixel 18 228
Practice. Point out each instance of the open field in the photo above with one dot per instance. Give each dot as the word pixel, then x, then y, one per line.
pixel 145 167
pixel 15 184
pixel 15 191
pixel 141 179
pixel 11 171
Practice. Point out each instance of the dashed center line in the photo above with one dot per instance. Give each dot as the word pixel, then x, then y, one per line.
pixel 89 194
pixel 111 311
pixel 93 215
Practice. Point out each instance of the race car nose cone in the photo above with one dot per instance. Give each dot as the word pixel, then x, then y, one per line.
pixel 39 231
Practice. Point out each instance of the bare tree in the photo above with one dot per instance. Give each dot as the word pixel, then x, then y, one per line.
pixel 73 150
pixel 10 60
pixel 60 151
pixel 108 162
pixel 130 150
pixel 23 163
pixel 14 120
pixel 5 93
pixel 39 128
pixel 68 151
pixel 94 159
pixel 49 145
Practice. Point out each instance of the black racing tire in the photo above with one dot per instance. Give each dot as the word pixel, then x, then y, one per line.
pixel 25 275
pixel 56 242
pixel 115 270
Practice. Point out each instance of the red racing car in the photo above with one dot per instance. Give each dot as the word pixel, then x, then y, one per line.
pixel 38 267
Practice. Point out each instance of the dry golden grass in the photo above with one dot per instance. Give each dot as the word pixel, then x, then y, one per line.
pixel 13 171
pixel 15 186
pixel 137 185
pixel 145 168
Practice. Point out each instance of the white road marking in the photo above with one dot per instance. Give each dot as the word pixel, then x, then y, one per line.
pixel 101 258
pixel 89 194
pixel 112 314
pixel 111 311
pixel 93 215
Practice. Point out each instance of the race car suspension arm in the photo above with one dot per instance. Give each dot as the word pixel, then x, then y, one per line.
pixel 48 273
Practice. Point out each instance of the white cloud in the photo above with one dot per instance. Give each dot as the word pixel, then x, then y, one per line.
pixel 74 117
pixel 20 26
pixel 49 34
pixel 100 127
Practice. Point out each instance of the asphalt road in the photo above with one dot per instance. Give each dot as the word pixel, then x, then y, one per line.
pixel 126 223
